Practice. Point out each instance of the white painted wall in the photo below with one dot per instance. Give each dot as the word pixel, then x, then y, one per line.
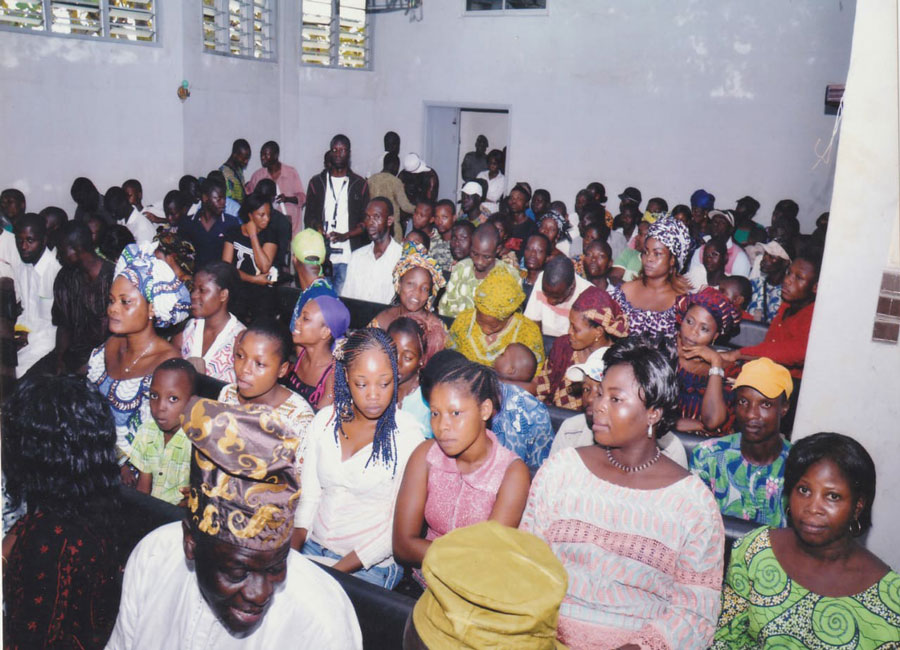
pixel 851 385
pixel 666 96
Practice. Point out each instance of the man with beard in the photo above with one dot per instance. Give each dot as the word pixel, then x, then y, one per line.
pixel 336 201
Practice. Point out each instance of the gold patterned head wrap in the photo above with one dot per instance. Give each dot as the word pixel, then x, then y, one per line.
pixel 490 586
pixel 415 256
pixel 499 294
pixel 244 484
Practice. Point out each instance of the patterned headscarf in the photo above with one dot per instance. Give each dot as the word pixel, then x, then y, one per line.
pixel 597 306
pixel 156 281
pixel 169 243
pixel 561 222
pixel 715 302
pixel 499 294
pixel 415 256
pixel 674 235
pixel 244 483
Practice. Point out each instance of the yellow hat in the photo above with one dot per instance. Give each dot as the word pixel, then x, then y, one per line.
pixel 308 247
pixel 766 376
pixel 490 586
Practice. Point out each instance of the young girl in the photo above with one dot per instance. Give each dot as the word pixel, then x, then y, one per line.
pixel 464 475
pixel 357 449
pixel 260 359
pixel 322 321
pixel 208 338
pixel 409 338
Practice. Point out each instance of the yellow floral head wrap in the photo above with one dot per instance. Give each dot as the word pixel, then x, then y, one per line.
pixel 499 294
pixel 415 256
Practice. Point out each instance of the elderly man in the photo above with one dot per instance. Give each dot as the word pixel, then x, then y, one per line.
pixel 226 576
pixel 556 288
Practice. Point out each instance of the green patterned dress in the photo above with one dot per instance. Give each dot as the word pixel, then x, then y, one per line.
pixel 763 608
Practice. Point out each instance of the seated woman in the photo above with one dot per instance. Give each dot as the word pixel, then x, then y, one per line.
pixel 555 227
pixel 356 452
pixel 483 333
pixel 640 537
pixel 649 301
pixel 593 320
pixel 322 322
pixel 208 338
pixel 812 585
pixel 252 247
pixel 463 476
pixel 417 280
pixel 704 397
pixel 61 561
pixel 409 339
pixel 145 294
pixel 261 358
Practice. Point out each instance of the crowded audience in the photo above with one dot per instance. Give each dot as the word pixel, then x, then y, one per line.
pixel 433 392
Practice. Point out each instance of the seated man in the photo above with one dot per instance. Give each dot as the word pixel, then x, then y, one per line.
pixel 745 470
pixel 371 268
pixel 468 273
pixel 557 287
pixel 35 276
pixel 773 266
pixel 721 224
pixel 227 571
pixel 537 250
pixel 576 430
pixel 12 206
pixel 523 423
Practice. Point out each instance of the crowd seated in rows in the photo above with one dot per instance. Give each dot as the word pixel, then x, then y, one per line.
pixel 464 403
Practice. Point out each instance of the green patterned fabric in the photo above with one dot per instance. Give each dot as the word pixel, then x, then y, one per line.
pixel 763 608
pixel 742 490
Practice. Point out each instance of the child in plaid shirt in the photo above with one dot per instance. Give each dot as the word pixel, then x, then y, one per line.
pixel 161 451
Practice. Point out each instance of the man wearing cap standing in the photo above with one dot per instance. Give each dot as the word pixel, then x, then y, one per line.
pixel 745 470
pixel 766 285
pixel 576 431
pixel 226 576
pixel 471 196
pixel 420 180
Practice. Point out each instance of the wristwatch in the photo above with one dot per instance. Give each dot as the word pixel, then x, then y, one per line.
pixel 716 371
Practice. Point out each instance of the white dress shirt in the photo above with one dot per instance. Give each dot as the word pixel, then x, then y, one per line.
pixel 162 606
pixel 348 505
pixel 35 284
pixel 369 278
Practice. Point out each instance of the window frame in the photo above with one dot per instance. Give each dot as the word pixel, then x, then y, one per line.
pixel 103 37
pixel 334 57
pixel 494 13
pixel 273 34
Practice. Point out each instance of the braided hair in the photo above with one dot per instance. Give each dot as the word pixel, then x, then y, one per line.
pixel 384 444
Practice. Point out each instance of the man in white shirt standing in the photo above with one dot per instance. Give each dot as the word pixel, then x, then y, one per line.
pixel 336 200
pixel 34 284
pixel 371 268
pixel 556 288
pixel 226 576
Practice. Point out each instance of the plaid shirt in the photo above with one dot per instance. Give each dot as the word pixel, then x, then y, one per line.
pixel 169 464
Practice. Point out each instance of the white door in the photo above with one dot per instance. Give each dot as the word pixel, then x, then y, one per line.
pixel 442 147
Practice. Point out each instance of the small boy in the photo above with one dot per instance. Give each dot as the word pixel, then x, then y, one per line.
pixel 517 365
pixel 161 451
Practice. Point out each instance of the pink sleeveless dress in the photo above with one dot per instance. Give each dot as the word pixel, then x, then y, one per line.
pixel 457 500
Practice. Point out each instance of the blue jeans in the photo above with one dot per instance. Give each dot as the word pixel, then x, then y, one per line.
pixel 386 577
pixel 338 277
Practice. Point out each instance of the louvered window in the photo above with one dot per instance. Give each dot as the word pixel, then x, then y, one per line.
pixel 335 33
pixel 242 28
pixel 129 20
pixel 510 6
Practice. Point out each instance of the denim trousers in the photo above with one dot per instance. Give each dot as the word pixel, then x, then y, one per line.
pixel 386 577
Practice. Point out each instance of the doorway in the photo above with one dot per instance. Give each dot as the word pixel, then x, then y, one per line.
pixel 450 132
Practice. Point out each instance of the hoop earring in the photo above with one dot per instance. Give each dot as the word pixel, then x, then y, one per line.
pixel 858 531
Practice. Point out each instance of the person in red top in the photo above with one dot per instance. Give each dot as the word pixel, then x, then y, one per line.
pixel 788 334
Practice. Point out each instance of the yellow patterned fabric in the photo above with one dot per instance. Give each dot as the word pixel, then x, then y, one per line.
pixel 244 487
pixel 466 337
pixel 499 294
pixel 415 256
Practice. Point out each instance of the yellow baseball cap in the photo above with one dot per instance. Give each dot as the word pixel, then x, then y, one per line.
pixel 766 376
pixel 308 246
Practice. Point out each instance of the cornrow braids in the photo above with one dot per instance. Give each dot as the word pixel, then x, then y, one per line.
pixel 384 444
